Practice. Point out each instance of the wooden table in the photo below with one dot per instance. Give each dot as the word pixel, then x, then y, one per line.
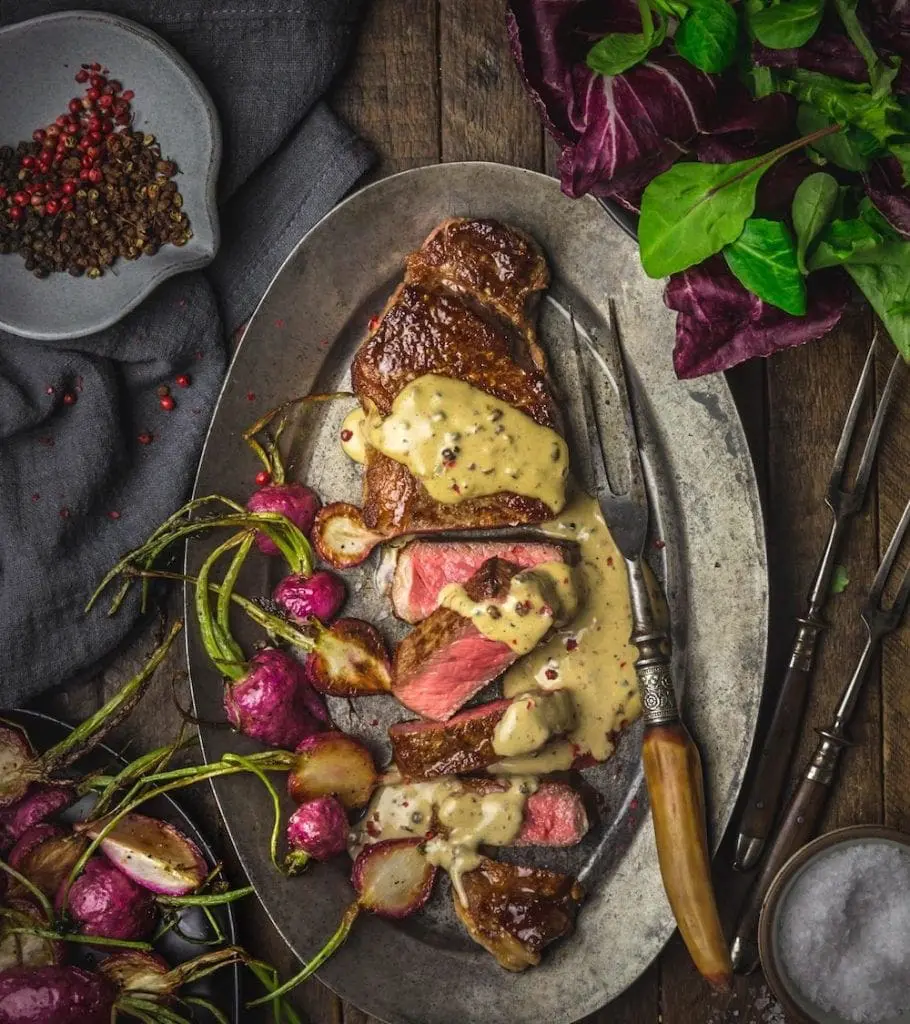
pixel 432 80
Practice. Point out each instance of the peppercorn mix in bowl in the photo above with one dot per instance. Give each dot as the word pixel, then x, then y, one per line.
pixel 108 167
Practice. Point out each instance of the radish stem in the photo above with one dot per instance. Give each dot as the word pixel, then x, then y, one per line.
pixel 82 940
pixel 222 616
pixel 120 705
pixel 273 793
pixel 33 889
pixel 219 645
pixel 350 916
pixel 210 1008
pixel 213 899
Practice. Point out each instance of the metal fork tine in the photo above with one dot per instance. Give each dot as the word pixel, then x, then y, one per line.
pixel 598 468
pixel 614 358
pixel 884 570
pixel 865 466
pixel 843 446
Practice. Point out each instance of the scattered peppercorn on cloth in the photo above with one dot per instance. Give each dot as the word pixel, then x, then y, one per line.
pixel 89 461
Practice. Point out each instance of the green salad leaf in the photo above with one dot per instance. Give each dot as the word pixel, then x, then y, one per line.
pixel 707 35
pixel 887 289
pixel 693 210
pixel 881 116
pixel 814 204
pixel 865 239
pixel 839 580
pixel 788 24
pixel 619 51
pixel 764 261
pixel 881 74
pixel 843 149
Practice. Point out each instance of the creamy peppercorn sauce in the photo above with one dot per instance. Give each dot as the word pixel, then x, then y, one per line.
pixel 462 443
pixel 461 820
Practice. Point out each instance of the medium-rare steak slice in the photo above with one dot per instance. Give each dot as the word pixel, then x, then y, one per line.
pixel 514 911
pixel 464 311
pixel 424 567
pixel 445 660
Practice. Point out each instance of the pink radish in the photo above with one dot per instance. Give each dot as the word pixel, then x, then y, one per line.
pixel 20 767
pixel 40 802
pixel 102 901
pixel 318 829
pixel 293 501
pixel 392 878
pixel 45 855
pixel 153 854
pixel 333 764
pixel 271 700
pixel 302 598
pixel 55 995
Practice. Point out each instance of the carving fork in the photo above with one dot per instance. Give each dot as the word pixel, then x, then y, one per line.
pixel 671 760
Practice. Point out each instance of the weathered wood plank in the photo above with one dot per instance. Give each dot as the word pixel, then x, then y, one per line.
pixel 485 112
pixel 894 493
pixel 390 93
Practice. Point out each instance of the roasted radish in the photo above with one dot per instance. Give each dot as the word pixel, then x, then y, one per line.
pixel 302 598
pixel 293 501
pixel 349 660
pixel 46 855
pixel 102 901
pixel 41 801
pixel 55 995
pixel 154 854
pixel 318 829
pixel 20 767
pixel 21 941
pixel 392 878
pixel 332 764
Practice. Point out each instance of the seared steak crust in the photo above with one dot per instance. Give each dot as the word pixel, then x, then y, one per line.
pixel 514 911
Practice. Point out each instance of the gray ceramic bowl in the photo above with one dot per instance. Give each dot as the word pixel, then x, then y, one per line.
pixel 38 60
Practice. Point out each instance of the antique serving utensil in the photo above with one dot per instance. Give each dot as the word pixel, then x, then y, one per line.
pixel 780 742
pixel 803 812
pixel 671 760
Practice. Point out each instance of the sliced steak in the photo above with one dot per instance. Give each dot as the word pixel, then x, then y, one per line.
pixel 445 659
pixel 463 744
pixel 514 911
pixel 465 310
pixel 424 567
pixel 554 814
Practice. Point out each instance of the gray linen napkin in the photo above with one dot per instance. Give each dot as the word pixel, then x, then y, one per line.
pixel 81 484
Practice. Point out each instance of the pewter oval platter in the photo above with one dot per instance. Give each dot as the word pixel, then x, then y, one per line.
pixel 708 546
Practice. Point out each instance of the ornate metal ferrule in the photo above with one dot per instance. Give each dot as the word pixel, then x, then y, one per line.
pixel 658 697
pixel 824 761
pixel 805 643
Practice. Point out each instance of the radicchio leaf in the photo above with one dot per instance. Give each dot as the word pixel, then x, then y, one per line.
pixel 885 187
pixel 830 53
pixel 619 132
pixel 720 324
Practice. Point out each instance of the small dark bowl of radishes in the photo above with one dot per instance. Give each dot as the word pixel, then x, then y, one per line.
pixel 131 891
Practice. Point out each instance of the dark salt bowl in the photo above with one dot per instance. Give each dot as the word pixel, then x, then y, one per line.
pixel 38 60
pixel 834 933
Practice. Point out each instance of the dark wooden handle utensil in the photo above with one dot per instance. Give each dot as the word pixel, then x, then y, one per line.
pixel 803 812
pixel 777 752
pixel 844 502
pixel 798 825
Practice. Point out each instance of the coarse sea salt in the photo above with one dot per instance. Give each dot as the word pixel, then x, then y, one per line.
pixel 844 932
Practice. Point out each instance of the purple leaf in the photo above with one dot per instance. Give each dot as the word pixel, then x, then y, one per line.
pixel 618 132
pixel 885 187
pixel 831 54
pixel 721 324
